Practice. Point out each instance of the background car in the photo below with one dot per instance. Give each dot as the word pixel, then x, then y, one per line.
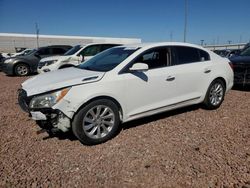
pixel 5 55
pixel 24 52
pixel 227 52
pixel 24 65
pixel 1 61
pixel 125 83
pixel 73 57
pixel 241 67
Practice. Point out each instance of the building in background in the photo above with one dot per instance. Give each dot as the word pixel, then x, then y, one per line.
pixel 11 41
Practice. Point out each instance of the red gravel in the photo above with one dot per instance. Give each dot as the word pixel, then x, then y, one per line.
pixel 191 147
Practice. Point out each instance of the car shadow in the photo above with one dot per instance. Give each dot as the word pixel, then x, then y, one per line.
pixel 131 124
pixel 241 88
pixel 61 136
pixel 156 117
pixel 31 74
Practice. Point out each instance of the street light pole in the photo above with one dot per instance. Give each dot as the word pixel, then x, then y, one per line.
pixel 37 35
pixel 185 24
pixel 202 41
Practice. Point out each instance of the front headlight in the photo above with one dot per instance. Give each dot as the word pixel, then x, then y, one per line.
pixel 66 60
pixel 8 60
pixel 48 100
pixel 47 63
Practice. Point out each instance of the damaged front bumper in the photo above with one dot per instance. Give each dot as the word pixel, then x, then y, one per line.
pixel 52 120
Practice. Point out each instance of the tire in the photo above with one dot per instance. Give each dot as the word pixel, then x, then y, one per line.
pixel 215 94
pixel 96 122
pixel 21 69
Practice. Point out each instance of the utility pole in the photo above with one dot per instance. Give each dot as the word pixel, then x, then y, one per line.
pixel 37 35
pixel 171 36
pixel 202 41
pixel 185 24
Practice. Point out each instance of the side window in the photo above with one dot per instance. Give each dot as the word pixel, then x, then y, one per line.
pixel 91 50
pixel 154 58
pixel 186 55
pixel 204 56
pixel 58 51
pixel 107 46
pixel 246 52
pixel 44 51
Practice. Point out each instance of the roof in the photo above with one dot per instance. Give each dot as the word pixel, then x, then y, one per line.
pixel 150 45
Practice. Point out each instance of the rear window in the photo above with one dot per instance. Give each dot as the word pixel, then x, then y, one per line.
pixel 204 56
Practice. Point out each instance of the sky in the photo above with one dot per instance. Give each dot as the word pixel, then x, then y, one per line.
pixel 214 21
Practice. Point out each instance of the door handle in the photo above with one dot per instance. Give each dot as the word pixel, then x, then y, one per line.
pixel 170 78
pixel 207 71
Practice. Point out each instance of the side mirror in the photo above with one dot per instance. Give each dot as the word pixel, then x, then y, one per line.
pixel 140 67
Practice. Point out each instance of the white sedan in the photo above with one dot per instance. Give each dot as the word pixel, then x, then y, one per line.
pixel 125 83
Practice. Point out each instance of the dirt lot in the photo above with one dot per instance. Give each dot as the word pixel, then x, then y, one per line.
pixel 191 147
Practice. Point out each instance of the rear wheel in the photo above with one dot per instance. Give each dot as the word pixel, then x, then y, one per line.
pixel 96 122
pixel 215 94
pixel 21 69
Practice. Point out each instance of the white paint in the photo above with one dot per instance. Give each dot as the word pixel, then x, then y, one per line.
pixel 138 95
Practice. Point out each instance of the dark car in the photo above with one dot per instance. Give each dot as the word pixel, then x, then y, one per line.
pixel 227 53
pixel 24 65
pixel 1 61
pixel 241 66
pixel 246 46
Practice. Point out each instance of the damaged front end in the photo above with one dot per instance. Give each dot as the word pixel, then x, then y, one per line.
pixel 39 109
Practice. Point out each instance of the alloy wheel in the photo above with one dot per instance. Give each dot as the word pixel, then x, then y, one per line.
pixel 98 121
pixel 216 94
pixel 22 70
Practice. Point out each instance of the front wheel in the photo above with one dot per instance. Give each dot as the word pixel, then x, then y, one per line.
pixel 215 94
pixel 21 69
pixel 96 122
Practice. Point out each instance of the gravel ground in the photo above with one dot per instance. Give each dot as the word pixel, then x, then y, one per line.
pixel 190 147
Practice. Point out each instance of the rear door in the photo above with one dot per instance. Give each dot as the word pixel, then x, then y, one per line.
pixel 191 70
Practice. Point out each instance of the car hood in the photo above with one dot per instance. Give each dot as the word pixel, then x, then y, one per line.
pixel 25 58
pixel 59 79
pixel 240 59
pixel 51 58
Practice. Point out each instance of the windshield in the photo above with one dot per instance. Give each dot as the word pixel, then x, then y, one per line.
pixel 31 52
pixel 245 52
pixel 108 59
pixel 73 50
